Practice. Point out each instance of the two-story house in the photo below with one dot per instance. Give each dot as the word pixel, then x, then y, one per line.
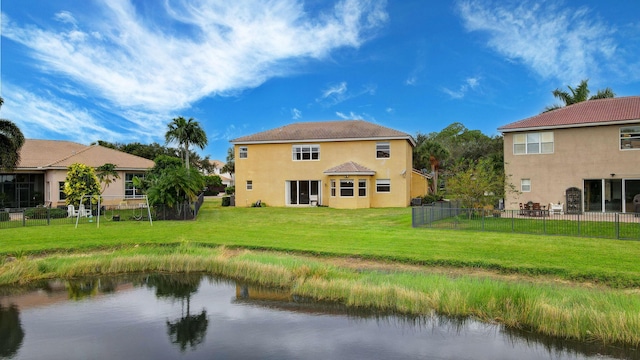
pixel 341 164
pixel 585 156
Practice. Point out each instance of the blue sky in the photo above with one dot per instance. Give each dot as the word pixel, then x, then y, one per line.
pixel 120 70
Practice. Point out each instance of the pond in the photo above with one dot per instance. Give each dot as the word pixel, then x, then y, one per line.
pixel 164 316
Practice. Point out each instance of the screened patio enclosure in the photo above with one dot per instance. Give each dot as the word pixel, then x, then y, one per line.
pixel 610 195
pixel 21 190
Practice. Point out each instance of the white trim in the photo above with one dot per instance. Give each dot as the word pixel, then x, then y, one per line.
pixel 292 141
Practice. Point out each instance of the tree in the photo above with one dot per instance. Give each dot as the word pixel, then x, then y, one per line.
pixel 174 186
pixel 477 184
pixel 11 141
pixel 106 175
pixel 230 166
pixel 432 152
pixel 81 180
pixel 186 132
pixel 578 94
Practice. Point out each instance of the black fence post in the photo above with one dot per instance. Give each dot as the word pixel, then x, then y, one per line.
pixel 24 219
pixel 48 216
pixel 617 221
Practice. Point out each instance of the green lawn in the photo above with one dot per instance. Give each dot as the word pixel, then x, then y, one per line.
pixel 369 233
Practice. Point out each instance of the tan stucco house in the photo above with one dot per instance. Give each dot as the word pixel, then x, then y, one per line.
pixel 584 156
pixel 39 177
pixel 341 164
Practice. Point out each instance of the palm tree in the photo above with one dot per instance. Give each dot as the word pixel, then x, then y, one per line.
pixel 435 153
pixel 186 132
pixel 106 175
pixel 11 140
pixel 579 94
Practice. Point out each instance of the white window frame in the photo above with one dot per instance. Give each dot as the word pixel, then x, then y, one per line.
pixel 249 185
pixel 130 191
pixel 525 185
pixel 243 152
pixel 362 186
pixel 333 188
pixel 61 194
pixel 382 184
pixel 631 135
pixel 298 152
pixel 382 149
pixel 344 186
pixel 533 143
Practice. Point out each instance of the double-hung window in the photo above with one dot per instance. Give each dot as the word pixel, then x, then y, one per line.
pixel 383 185
pixel 533 143
pixel 305 152
pixel 383 150
pixel 244 152
pixel 62 195
pixel 346 187
pixel 630 137
pixel 362 187
pixel 249 184
pixel 333 188
pixel 525 185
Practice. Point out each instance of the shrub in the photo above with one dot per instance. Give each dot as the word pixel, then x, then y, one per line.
pixel 41 213
pixel 4 216
pixel 230 190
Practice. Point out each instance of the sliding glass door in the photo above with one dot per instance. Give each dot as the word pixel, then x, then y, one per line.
pixel 301 192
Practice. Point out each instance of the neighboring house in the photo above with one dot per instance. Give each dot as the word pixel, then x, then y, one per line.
pixel 585 156
pixel 227 178
pixel 341 164
pixel 40 175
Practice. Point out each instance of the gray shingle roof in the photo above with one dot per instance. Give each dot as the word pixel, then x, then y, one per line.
pixel 325 131
pixel 587 113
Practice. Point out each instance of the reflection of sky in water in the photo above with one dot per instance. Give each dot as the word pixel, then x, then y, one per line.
pixel 131 324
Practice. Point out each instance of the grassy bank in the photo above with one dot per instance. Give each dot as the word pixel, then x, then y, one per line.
pixel 603 315
pixel 520 283
pixel 382 234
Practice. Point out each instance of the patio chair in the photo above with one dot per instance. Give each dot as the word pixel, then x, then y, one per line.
pixel 71 211
pixel 313 200
pixel 556 209
pixel 83 211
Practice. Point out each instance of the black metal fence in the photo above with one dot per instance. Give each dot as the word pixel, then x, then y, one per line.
pixel 599 225
pixel 39 216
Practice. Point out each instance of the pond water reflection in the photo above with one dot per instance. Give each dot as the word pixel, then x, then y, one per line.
pixel 200 317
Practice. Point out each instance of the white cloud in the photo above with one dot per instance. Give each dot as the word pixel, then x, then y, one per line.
pixel 141 65
pixel 38 113
pixel 354 116
pixel 565 44
pixel 296 114
pixel 335 91
pixel 469 84
pixel 338 93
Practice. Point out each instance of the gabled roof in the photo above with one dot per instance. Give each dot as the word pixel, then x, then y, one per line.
pixel 347 130
pixel 55 154
pixel 349 168
pixel 587 113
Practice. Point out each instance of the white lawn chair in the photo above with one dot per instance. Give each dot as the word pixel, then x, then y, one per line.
pixel 83 211
pixel 71 211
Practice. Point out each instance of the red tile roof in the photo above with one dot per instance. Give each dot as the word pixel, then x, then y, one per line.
pixel 325 131
pixel 349 168
pixel 587 113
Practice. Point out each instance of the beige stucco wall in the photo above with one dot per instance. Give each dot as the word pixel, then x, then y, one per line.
pixel 114 194
pixel 579 154
pixel 269 166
